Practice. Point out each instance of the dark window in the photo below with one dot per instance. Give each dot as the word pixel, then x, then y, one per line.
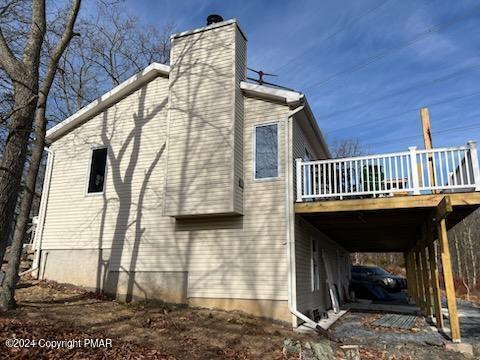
pixel 266 151
pixel 97 171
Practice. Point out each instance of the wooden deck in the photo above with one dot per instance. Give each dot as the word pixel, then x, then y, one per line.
pixel 387 203
pixel 408 224
pixel 381 224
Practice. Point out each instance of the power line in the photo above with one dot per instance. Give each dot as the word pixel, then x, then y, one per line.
pixel 450 130
pixel 369 122
pixel 372 10
pixel 383 54
pixel 396 93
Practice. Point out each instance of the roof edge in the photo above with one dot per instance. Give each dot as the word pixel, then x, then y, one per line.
pixel 289 97
pixel 209 27
pixel 116 94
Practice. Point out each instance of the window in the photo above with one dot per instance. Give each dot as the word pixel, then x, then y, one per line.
pixel 266 151
pixel 98 163
pixel 315 265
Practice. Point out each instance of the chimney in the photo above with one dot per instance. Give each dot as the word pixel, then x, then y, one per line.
pixel 205 150
pixel 214 18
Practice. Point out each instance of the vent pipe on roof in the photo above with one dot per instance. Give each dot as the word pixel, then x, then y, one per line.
pixel 214 18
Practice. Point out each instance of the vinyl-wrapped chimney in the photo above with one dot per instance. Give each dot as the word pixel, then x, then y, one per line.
pixel 205 144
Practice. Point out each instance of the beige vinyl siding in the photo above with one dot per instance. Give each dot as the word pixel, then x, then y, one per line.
pixel 306 298
pixel 240 75
pixel 225 257
pixel 204 152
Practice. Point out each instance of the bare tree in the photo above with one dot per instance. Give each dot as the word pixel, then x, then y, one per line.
pixel 113 47
pixel 9 284
pixel 346 148
pixel 23 73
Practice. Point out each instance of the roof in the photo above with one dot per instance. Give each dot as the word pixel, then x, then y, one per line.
pixel 124 89
pixel 291 98
pixel 288 97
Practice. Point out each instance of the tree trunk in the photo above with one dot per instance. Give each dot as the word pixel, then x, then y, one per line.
pixel 7 295
pixel 14 157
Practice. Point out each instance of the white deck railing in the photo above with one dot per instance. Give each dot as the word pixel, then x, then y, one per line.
pixel 413 172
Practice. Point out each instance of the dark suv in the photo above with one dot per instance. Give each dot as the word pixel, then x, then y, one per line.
pixel 378 276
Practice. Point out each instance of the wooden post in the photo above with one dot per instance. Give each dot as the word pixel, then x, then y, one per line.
pixel 413 286
pixel 426 280
pixel 427 141
pixel 448 277
pixel 426 128
pixel 437 296
pixel 407 272
pixel 420 287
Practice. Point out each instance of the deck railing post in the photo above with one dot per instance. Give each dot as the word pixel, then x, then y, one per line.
pixel 298 165
pixel 414 170
pixel 475 169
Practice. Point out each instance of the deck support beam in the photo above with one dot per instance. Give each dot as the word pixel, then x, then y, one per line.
pixel 448 278
pixel 437 296
pixel 443 209
pixel 420 285
pixel 408 272
pixel 413 266
pixel 426 278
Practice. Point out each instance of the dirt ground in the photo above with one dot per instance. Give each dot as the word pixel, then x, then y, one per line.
pixel 51 311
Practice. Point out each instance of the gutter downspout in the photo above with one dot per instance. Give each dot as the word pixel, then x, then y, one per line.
pixel 291 225
pixel 37 241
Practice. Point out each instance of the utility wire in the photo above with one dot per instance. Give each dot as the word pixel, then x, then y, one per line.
pixel 385 53
pixel 369 122
pixel 367 13
pixel 450 130
pixel 400 92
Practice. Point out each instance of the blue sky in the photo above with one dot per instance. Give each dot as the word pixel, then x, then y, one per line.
pixel 352 61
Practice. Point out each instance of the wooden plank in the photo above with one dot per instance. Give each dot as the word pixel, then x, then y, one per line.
pixel 444 208
pixel 448 277
pixel 427 140
pixel 437 297
pixel 426 281
pixel 405 202
pixel 407 271
pixel 413 277
pixel 419 282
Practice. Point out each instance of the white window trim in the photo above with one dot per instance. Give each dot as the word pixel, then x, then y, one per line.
pixel 277 123
pixel 89 169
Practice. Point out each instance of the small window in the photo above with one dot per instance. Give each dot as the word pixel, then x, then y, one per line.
pixel 266 151
pixel 315 266
pixel 98 163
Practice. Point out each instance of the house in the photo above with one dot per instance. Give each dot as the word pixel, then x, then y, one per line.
pixel 177 185
pixel 189 184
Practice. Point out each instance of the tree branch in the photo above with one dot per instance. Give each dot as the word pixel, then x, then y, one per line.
pixel 8 61
pixel 68 34
pixel 31 55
